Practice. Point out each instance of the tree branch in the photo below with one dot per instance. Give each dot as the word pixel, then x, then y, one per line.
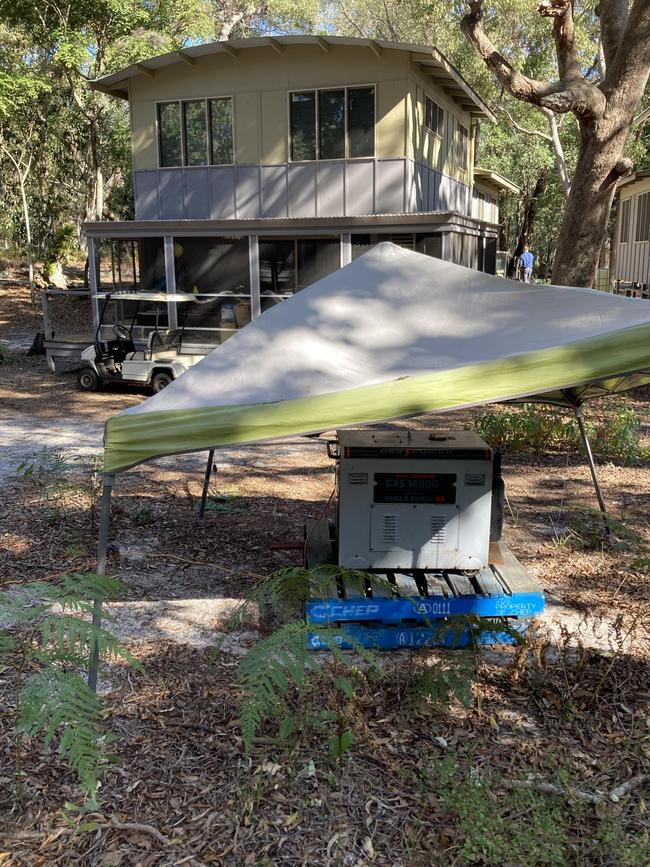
pixel 632 64
pixel 564 35
pixel 575 95
pixel 531 132
pixel 613 18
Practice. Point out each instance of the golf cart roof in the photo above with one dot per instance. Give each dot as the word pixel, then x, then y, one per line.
pixel 148 296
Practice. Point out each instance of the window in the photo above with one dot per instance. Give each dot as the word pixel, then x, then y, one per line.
pixel 303 126
pixel 361 121
pixel 221 131
pixel 624 233
pixel 332 124
pixel 462 139
pixel 643 218
pixel 195 132
pixel 434 116
pixel 169 131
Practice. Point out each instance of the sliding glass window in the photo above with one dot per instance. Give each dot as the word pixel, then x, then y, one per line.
pixel 361 121
pixel 169 133
pixel 303 126
pixel 195 132
pixel 332 124
pixel 221 151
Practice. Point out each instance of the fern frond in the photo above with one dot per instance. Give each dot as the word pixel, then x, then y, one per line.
pixel 263 675
pixel 268 669
pixel 53 700
pixel 73 637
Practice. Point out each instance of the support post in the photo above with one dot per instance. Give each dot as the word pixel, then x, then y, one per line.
pixel 170 281
pixel 104 527
pixel 206 483
pixel 592 469
pixel 254 275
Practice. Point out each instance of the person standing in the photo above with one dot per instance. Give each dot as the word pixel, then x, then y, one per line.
pixel 526 262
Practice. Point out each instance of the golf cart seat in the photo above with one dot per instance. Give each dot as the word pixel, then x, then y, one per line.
pixel 162 342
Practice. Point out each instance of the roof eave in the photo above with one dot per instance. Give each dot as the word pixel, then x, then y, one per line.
pixel 429 56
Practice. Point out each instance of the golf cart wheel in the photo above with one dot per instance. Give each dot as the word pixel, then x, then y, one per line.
pixel 88 380
pixel 161 380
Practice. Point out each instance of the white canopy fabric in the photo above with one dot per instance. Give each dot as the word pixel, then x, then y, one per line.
pixel 393 334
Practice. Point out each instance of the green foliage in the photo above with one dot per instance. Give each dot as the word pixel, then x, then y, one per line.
pixel 529 427
pixel 617 438
pixel 532 427
pixel 59 701
pixel 61 246
pixel 60 481
pixel 48 632
pixel 487 834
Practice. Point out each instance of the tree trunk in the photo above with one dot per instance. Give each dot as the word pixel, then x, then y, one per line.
pixel 530 212
pixel 28 237
pixel 587 210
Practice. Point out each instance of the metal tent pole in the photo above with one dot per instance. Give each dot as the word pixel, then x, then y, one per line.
pixel 206 483
pixel 592 468
pixel 104 526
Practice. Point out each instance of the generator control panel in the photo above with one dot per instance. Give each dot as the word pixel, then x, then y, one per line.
pixel 412 499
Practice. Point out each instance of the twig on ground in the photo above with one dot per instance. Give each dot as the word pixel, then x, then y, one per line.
pixel 550 789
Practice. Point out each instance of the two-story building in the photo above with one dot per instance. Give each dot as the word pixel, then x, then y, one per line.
pixel 261 165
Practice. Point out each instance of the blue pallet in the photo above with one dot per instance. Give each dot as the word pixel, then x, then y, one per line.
pixel 397 637
pixel 422 608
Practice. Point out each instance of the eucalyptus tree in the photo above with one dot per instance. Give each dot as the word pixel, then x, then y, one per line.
pixel 603 109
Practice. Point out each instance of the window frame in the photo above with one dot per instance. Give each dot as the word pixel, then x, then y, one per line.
pixel 457 146
pixel 642 221
pixel 206 109
pixel 316 90
pixel 625 220
pixel 441 114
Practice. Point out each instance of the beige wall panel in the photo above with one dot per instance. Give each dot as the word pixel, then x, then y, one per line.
pixel 442 152
pixel 635 188
pixel 247 128
pixel 143 129
pixel 391 118
pixel 270 75
pixel 274 126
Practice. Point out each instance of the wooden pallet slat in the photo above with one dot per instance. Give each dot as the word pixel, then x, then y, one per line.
pixel 487 583
pixel 460 584
pixel 437 587
pixel 406 585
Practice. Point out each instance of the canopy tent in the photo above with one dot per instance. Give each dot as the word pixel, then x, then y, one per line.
pixel 393 334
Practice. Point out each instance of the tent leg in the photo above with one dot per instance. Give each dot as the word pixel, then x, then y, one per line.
pixel 104 526
pixel 206 483
pixel 592 467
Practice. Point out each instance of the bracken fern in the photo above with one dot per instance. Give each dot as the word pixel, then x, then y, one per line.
pixel 48 627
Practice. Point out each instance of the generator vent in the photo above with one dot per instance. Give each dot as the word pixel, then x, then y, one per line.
pixel 475 480
pixel 438 529
pixel 357 478
pixel 390 530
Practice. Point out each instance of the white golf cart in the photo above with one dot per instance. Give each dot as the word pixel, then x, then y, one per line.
pixel 118 360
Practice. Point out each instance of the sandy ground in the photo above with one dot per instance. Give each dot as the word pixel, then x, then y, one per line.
pixel 271 490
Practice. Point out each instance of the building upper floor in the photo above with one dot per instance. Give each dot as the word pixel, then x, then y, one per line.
pixel 300 126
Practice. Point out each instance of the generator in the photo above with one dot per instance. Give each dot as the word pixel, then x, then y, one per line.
pixel 416 500
pixel 417 537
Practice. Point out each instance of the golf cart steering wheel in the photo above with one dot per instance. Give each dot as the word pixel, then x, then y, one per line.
pixel 121 332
